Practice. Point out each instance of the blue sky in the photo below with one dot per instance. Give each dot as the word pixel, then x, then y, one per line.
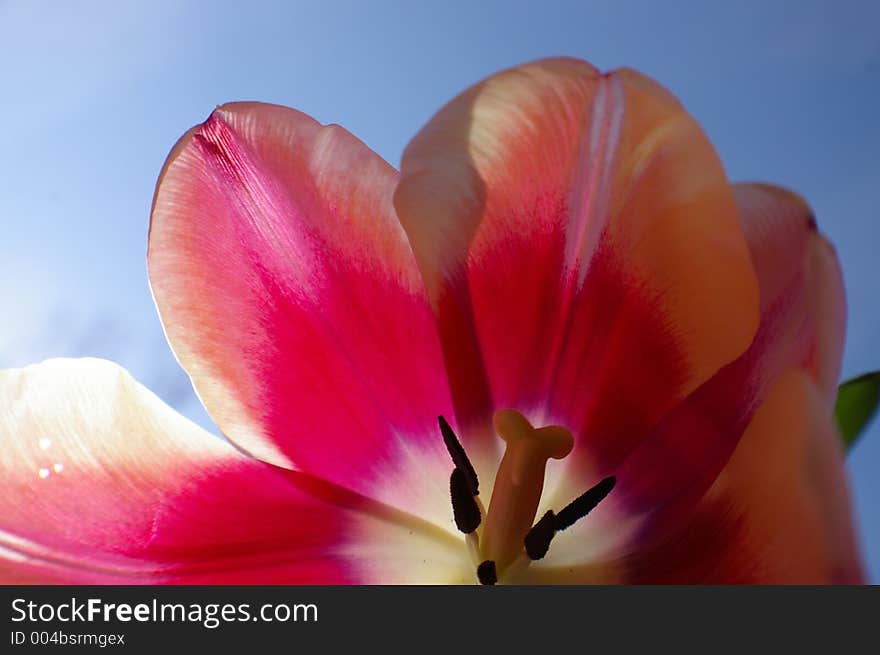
pixel 96 93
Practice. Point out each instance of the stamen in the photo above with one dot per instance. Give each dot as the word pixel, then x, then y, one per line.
pixel 584 504
pixel 537 540
pixel 459 457
pixel 473 545
pixel 465 510
pixel 487 573
pixel 480 505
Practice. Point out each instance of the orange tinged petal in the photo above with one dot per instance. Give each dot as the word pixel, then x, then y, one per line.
pixel 779 513
pixel 581 250
pixel 784 241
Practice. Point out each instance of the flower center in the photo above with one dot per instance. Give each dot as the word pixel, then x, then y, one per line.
pixel 508 540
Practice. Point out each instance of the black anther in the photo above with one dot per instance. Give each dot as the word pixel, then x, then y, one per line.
pixel 465 510
pixel 486 573
pixel 459 457
pixel 584 504
pixel 537 541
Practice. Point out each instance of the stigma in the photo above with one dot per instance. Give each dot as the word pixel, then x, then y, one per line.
pixel 504 539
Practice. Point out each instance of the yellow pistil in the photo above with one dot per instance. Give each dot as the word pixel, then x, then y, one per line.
pixel 519 483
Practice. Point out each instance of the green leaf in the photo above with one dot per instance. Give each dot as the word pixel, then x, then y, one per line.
pixel 857 402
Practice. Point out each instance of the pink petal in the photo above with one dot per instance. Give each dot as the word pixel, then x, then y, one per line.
pixel 100 482
pixel 580 247
pixel 289 293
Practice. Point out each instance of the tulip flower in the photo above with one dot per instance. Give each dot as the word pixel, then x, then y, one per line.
pixel 557 347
